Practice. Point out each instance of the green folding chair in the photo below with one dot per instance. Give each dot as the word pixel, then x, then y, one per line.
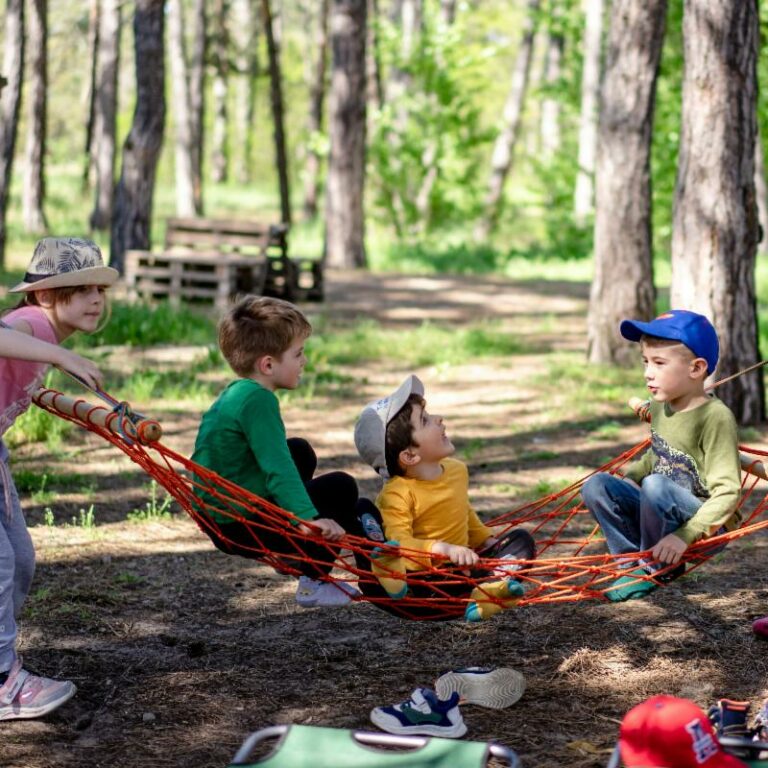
pixel 303 746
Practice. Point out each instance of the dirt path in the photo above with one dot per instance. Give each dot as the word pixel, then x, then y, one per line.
pixel 179 652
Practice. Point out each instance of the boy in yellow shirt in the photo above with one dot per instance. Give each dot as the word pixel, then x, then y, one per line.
pixel 424 504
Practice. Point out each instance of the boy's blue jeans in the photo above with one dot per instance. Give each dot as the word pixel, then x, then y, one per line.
pixel 635 519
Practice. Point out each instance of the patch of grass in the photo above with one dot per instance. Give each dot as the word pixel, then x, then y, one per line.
pixel 144 325
pixel 29 481
pixel 38 426
pixel 471 448
pixel 426 344
pixel 609 430
pixel 542 455
pixel 154 508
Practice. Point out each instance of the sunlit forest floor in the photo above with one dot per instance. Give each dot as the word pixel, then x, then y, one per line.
pixel 179 651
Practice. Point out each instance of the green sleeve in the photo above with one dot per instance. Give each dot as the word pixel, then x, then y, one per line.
pixel 264 429
pixel 640 468
pixel 721 474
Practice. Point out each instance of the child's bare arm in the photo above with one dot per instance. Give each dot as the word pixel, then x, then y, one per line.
pixel 21 345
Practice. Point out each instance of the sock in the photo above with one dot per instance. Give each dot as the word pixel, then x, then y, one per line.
pixel 482 605
pixel 390 571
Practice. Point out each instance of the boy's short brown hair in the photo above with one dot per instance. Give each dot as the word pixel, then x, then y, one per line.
pixel 400 435
pixel 257 326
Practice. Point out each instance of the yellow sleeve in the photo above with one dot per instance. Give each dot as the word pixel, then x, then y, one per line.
pixel 478 531
pixel 397 508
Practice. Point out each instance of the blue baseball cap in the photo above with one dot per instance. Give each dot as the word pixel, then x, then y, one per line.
pixel 689 328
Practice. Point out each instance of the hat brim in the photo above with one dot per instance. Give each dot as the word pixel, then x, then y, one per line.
pixel 633 330
pixel 397 400
pixel 87 276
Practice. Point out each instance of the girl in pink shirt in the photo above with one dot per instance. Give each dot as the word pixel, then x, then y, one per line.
pixel 63 292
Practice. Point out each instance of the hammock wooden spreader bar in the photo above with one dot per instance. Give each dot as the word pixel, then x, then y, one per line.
pixel 145 431
pixel 572 564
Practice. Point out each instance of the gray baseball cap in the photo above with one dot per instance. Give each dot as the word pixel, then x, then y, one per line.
pixel 371 428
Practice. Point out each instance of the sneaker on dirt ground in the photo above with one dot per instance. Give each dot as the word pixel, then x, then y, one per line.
pixel 760 627
pixel 424 714
pixel 492 687
pixel 311 593
pixel 24 695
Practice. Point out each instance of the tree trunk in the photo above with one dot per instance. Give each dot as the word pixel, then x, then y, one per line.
pixel 761 193
pixel 448 11
pixel 550 106
pixel 316 102
pixel 373 57
pixel 33 192
pixel 10 103
pixel 503 149
pixel 590 95
pixel 344 212
pixel 276 97
pixel 90 93
pixel 134 192
pixel 184 162
pixel 245 32
pixel 220 51
pixel 715 227
pixel 622 285
pixel 103 146
pixel 197 99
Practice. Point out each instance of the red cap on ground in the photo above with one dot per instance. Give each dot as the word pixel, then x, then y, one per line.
pixel 667 732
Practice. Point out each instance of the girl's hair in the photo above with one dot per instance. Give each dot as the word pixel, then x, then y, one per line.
pixel 399 435
pixel 60 296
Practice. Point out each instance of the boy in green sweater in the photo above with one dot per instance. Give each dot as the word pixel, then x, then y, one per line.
pixel 242 438
pixel 686 486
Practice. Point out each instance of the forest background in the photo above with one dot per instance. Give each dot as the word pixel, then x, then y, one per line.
pixel 481 148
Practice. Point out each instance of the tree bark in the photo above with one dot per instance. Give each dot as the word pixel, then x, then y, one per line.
pixel 373 57
pixel 184 160
pixel 715 226
pixel 276 97
pixel 448 11
pixel 316 103
pixel 503 148
pixel 761 194
pixel 590 96
pixel 197 98
pixel 245 31
pixel 103 146
pixel 220 51
pixel 33 192
pixel 134 192
pixel 550 106
pixel 10 103
pixel 344 218
pixel 622 285
pixel 90 93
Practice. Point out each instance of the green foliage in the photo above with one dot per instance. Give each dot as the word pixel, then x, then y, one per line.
pixel 38 426
pixel 142 325
pixel 424 155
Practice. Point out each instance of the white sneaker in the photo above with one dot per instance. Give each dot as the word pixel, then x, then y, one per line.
pixel 311 593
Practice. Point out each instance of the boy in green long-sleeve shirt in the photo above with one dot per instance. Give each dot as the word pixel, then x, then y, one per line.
pixel 686 486
pixel 242 438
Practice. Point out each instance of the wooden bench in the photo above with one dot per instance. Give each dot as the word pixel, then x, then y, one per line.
pixel 215 259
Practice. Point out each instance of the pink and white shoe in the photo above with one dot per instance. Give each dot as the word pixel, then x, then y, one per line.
pixel 760 627
pixel 24 695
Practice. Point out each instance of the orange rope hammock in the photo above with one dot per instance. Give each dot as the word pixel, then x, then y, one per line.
pixel 571 564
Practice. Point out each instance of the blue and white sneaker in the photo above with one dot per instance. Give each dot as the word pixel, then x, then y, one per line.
pixel 422 715
pixel 493 687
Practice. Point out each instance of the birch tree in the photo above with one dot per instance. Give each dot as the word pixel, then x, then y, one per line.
pixel 590 96
pixel 104 140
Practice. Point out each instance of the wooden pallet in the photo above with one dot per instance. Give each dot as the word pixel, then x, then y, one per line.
pixel 246 256
pixel 212 277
